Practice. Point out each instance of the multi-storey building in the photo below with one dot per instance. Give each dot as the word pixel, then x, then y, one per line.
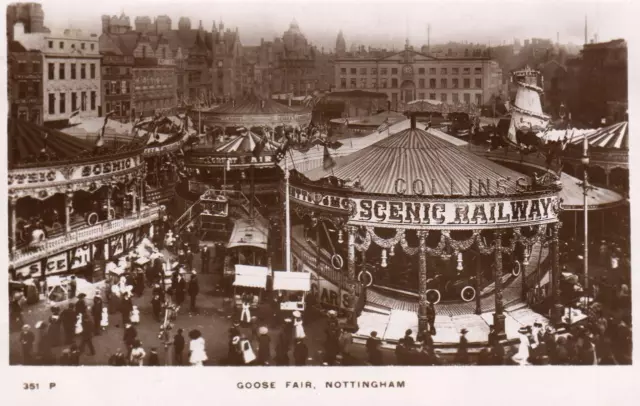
pixel 71 72
pixel 29 14
pixel 154 86
pixel 409 75
pixel 117 76
pixel 25 83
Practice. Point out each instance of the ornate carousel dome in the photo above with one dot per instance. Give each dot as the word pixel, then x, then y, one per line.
pixel 417 155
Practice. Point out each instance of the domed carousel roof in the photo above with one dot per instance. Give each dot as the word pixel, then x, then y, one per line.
pixel 252 110
pixel 415 154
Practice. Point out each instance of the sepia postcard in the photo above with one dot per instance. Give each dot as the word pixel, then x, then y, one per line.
pixel 395 200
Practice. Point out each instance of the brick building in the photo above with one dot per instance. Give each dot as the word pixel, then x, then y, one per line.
pixel 25 83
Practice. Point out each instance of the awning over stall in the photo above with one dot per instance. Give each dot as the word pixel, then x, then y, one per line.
pixel 300 281
pixel 251 276
pixel 248 233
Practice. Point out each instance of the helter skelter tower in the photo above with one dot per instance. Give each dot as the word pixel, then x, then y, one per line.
pixel 526 111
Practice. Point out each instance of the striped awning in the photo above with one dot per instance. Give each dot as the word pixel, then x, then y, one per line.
pixel 245 143
pixel 597 198
pixel 411 155
pixel 615 136
pixel 30 143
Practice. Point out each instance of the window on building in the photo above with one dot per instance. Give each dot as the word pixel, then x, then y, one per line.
pixel 51 47
pixel 432 83
pixel 35 116
pixel 92 47
pixel 125 87
pixel 83 101
pixel 443 83
pixel 93 99
pixel 343 83
pixel 455 83
pixel 353 71
pixel 107 89
pixel 374 71
pixel 478 99
pixel 51 70
pixel 82 45
pixel 343 71
pixel 73 46
pixel 35 66
pixel 22 90
pixel 443 97
pixel 421 71
pixel 383 71
pixel 421 96
pixel 394 71
pixel 432 71
pixel 477 70
pixel 352 83
pixel 383 83
pixel 52 103
pixel 363 83
pixel 455 98
pixel 455 71
pixel 374 83
pixel 394 82
pixel 34 89
pixel 74 101
pixel 61 45
pixel 61 71
pixel 466 71
pixel 467 83
pixel 22 115
pixel 421 83
pixel 83 71
pixel 63 103
pixel 478 83
pixel 467 98
pixel 22 67
pixel 72 71
pixel 92 70
pixel 432 96
pixel 443 71
pixel 363 71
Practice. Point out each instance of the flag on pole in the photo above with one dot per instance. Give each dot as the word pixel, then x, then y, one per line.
pixel 282 150
pixel 327 160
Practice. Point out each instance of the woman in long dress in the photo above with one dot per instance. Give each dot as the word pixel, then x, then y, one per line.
pixel 298 327
pixel 137 354
pixel 522 356
pixel 197 352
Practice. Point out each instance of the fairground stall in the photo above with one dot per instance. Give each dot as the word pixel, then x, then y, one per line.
pixel 416 219
pixel 292 288
pixel 73 204
pixel 456 119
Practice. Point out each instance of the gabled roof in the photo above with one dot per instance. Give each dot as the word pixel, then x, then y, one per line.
pixel 129 42
pixel 407 51
pixel 109 45
pixel 15 46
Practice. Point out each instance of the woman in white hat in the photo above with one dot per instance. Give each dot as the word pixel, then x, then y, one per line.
pixel 297 324
pixel 522 356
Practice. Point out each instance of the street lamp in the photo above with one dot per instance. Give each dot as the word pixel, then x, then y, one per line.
pixel 585 188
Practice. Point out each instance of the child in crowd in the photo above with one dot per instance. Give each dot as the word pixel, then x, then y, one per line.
pixel 135 315
pixel 104 320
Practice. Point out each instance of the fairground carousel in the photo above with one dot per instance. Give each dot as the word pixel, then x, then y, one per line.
pixel 73 202
pixel 237 152
pixel 165 135
pixel 416 217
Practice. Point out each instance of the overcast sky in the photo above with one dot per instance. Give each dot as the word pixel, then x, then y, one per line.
pixel 370 23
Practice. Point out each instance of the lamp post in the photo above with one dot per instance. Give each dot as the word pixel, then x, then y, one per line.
pixel 585 189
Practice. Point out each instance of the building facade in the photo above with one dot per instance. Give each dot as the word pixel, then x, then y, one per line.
pixel 25 83
pixel 117 78
pixel 410 75
pixel 154 86
pixel 71 72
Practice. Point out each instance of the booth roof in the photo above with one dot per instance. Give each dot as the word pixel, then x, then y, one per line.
pixel 597 198
pixel 291 281
pixel 415 154
pixel 373 120
pixel 615 136
pixel 248 234
pixel 252 104
pixel 245 143
pixel 251 276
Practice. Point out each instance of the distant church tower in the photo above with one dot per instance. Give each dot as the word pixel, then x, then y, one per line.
pixel 341 45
